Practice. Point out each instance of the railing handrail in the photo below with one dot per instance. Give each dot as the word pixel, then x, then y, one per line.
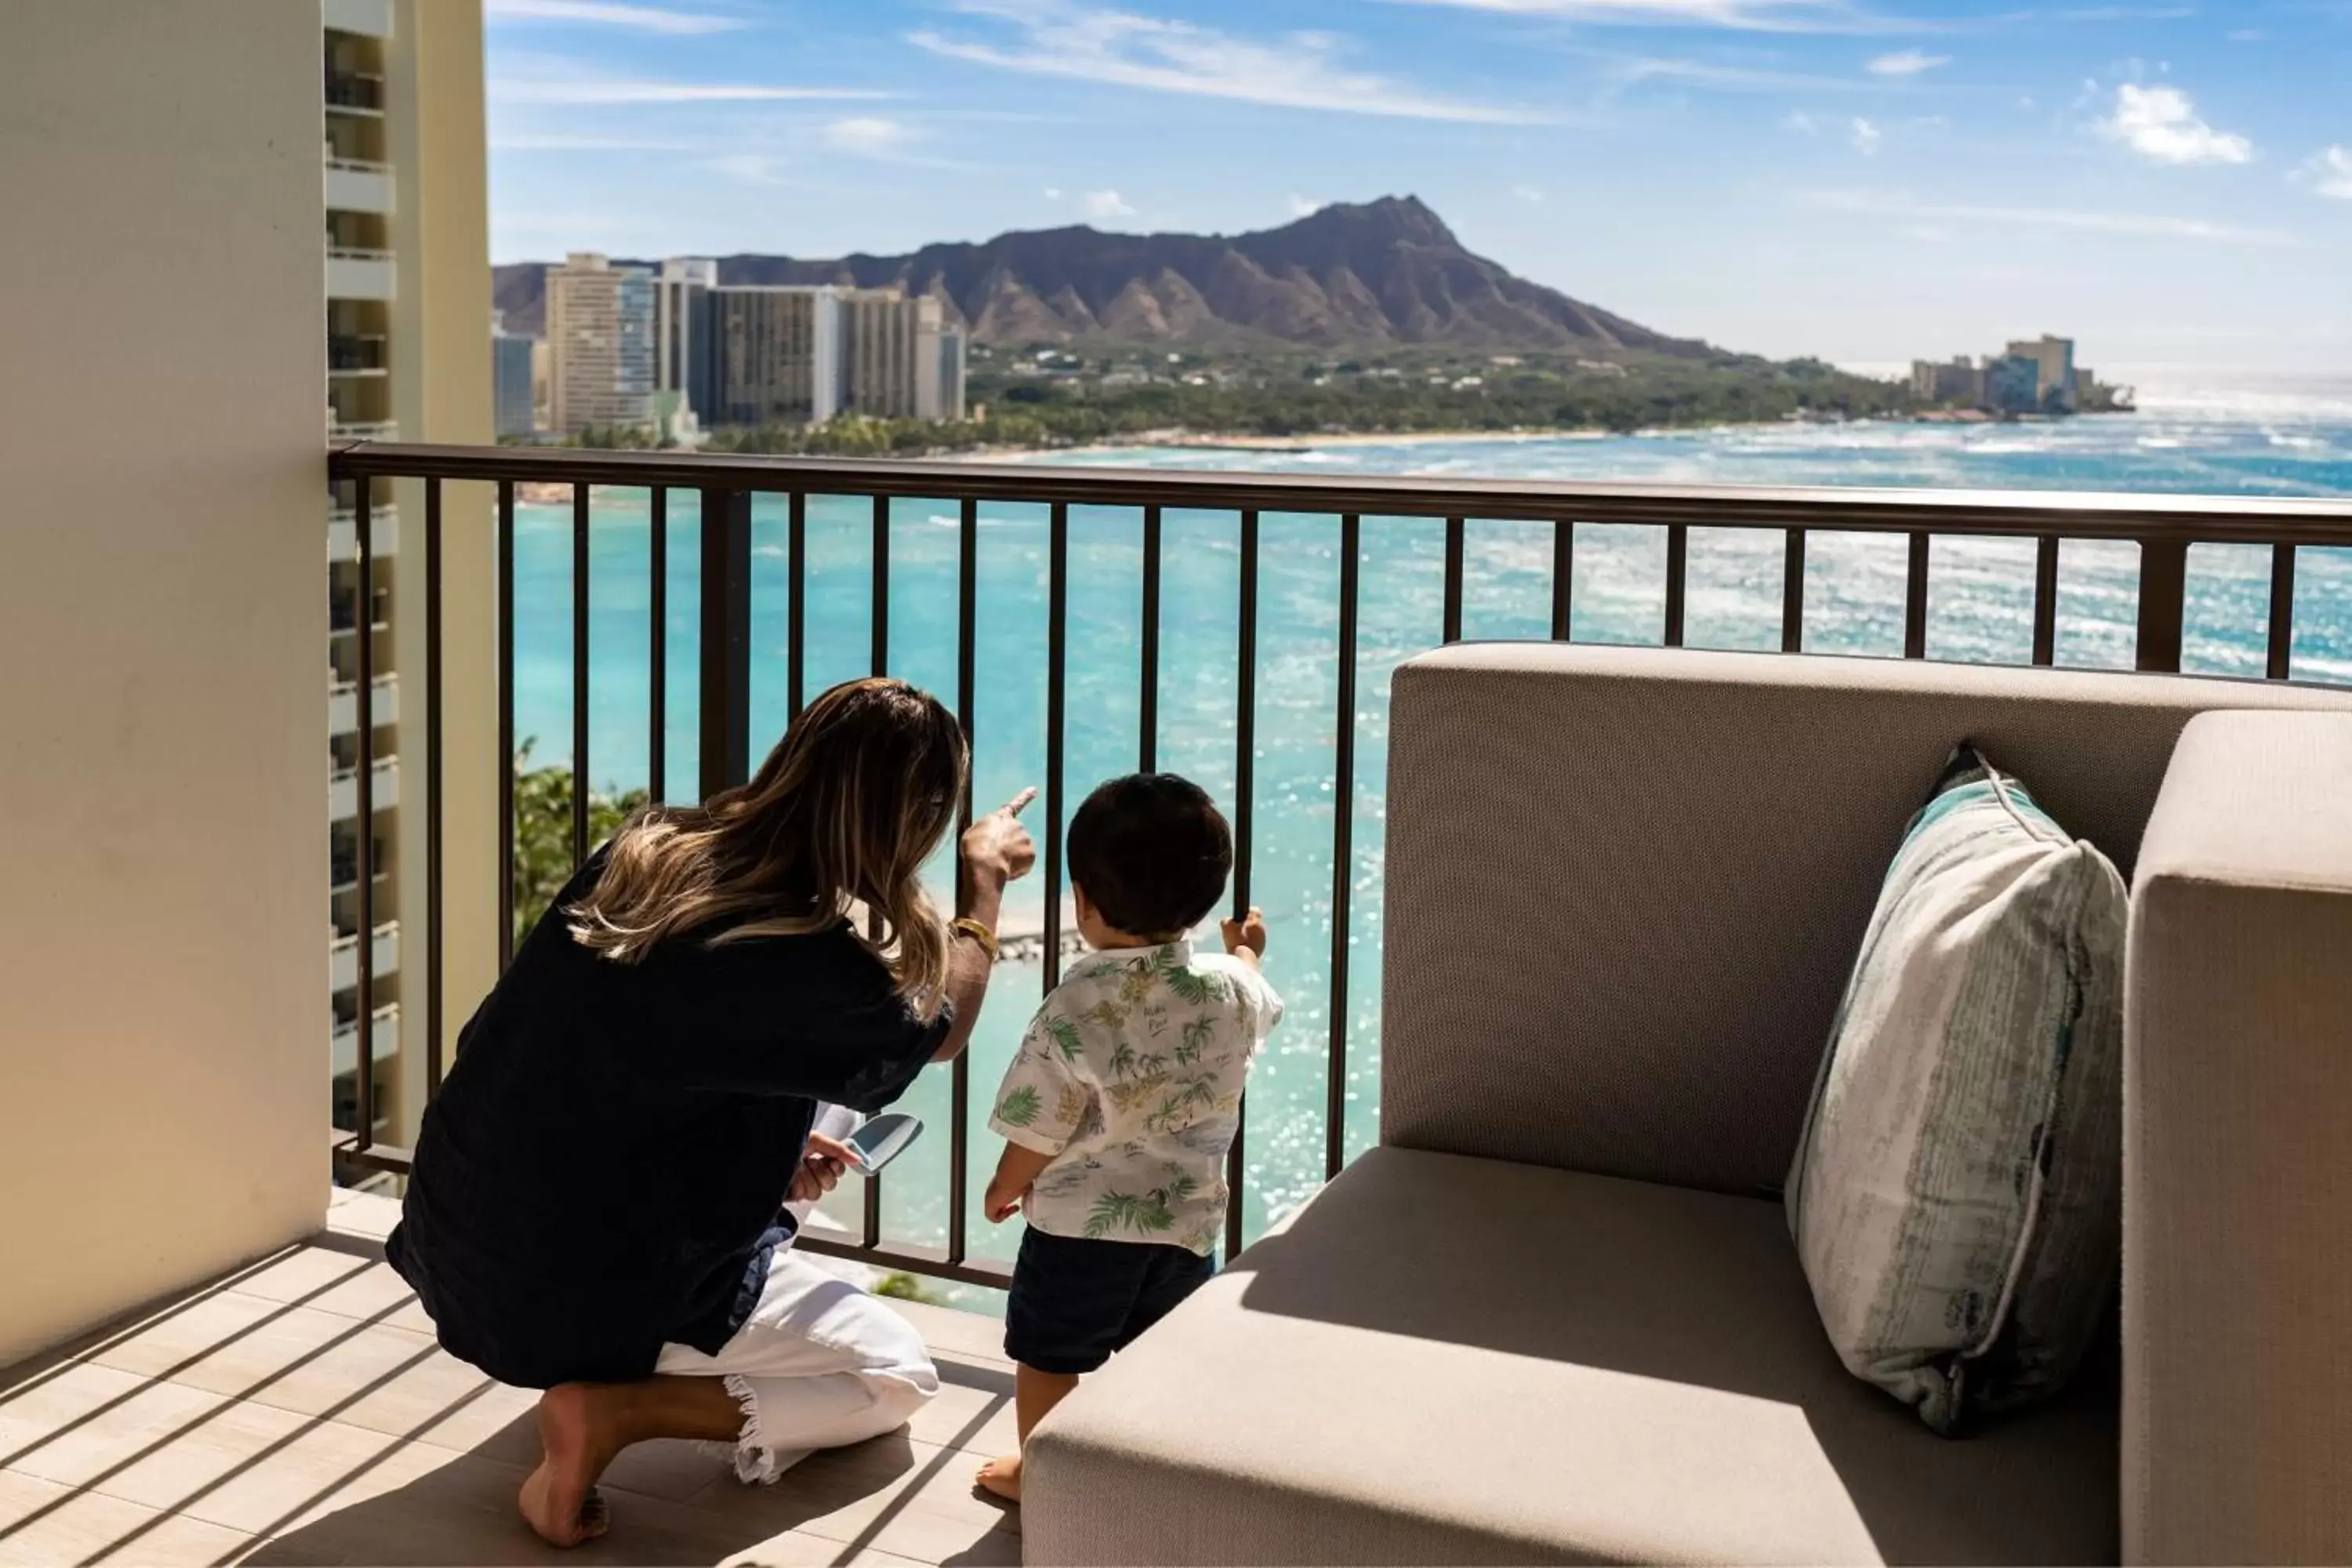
pixel 2076 514
pixel 359 253
pixel 358 165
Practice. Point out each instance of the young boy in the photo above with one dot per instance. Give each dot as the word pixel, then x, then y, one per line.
pixel 1119 1108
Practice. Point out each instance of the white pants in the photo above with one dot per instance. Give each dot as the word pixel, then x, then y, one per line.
pixel 819 1363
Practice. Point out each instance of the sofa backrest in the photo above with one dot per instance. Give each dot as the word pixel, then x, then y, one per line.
pixel 1625 885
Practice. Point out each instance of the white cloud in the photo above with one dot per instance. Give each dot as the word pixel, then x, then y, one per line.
pixel 609 14
pixel 564 141
pixel 1118 48
pixel 1751 15
pixel 2247 35
pixel 2330 172
pixel 1803 124
pixel 1864 136
pixel 1105 205
pixel 2160 124
pixel 1735 78
pixel 1300 207
pixel 1052 194
pixel 1527 194
pixel 867 134
pixel 2150 224
pixel 749 167
pixel 1907 62
pixel 610 92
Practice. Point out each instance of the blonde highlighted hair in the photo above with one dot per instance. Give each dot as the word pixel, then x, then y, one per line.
pixel 845 811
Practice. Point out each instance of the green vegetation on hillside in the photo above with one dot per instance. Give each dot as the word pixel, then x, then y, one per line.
pixel 542 824
pixel 1059 396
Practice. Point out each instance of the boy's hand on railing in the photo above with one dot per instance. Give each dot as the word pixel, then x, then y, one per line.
pixel 997 846
pixel 1245 936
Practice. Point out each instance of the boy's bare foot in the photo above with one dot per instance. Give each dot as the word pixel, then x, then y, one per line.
pixel 1002 1477
pixel 577 1431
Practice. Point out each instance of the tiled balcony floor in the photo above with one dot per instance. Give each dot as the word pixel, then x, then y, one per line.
pixel 299 1411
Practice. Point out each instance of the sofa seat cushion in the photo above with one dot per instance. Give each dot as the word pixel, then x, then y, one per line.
pixel 1445 1359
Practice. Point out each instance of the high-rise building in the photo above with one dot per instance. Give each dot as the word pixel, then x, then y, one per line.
pixel 515 410
pixel 770 355
pixel 2053 369
pixel 2013 383
pixel 950 403
pixel 601 332
pixel 681 283
pixel 407 266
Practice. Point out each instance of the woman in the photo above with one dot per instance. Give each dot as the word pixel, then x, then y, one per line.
pixel 596 1207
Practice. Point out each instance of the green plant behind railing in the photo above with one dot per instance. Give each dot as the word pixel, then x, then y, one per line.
pixel 542 832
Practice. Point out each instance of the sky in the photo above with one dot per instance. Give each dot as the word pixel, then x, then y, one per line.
pixel 1861 180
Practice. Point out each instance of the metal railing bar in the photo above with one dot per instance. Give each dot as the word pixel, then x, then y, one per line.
pixel 432 792
pixel 880 665
pixel 657 647
pixel 910 1259
pixel 725 661
pixel 881 581
pixel 1677 582
pixel 1343 819
pixel 1563 576
pixel 2163 593
pixel 2078 514
pixel 1244 784
pixel 2281 661
pixel 960 1071
pixel 1914 597
pixel 797 604
pixel 1792 593
pixel 506 758
pixel 364 829
pixel 2045 600
pixel 1057 605
pixel 579 675
pixel 1148 699
pixel 1453 612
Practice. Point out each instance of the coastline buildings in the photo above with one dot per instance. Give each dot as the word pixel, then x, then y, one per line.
pixel 600 334
pixel 765 354
pixel 513 396
pixel 407 273
pixel 2032 376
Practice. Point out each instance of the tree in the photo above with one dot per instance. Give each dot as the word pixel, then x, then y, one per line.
pixel 542 832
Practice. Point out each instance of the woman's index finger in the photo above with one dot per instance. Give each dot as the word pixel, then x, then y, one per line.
pixel 1019 803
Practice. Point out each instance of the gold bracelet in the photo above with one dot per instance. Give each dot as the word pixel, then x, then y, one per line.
pixel 978 934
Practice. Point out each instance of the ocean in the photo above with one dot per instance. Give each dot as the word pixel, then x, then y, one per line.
pixel 2275 438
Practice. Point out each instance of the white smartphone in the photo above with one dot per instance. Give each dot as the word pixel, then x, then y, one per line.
pixel 881 1139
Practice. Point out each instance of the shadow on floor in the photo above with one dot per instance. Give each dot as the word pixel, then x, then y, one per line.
pixel 464 1514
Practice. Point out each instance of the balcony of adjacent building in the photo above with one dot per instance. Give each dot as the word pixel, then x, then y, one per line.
pixel 343 789
pixel 344 955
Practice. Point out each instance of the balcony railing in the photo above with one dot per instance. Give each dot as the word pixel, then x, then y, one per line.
pixel 355 351
pixel 357 90
pixel 1072 502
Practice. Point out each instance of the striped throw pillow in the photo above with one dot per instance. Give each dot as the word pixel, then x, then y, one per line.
pixel 1955 1197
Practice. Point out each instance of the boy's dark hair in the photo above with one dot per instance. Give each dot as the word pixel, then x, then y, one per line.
pixel 1152 852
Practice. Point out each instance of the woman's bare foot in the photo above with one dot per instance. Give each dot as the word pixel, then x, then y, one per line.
pixel 1002 1477
pixel 580 1436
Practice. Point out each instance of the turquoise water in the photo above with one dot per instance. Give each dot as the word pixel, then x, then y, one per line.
pixel 1980 609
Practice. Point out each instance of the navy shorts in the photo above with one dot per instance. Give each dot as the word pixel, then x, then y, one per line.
pixel 1075 1301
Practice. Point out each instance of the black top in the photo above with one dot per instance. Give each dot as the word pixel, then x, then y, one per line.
pixel 604 1168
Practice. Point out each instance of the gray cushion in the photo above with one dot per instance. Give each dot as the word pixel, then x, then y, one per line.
pixel 1448 1360
pixel 1671 855
pixel 1955 1195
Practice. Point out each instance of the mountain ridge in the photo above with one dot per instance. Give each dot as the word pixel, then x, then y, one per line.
pixel 1382 274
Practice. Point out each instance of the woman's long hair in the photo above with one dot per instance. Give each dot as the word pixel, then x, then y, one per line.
pixel 845 811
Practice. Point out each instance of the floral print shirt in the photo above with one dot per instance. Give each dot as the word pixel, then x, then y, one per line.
pixel 1131 1075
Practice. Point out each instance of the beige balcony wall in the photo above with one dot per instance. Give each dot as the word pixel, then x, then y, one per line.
pixel 163 1085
